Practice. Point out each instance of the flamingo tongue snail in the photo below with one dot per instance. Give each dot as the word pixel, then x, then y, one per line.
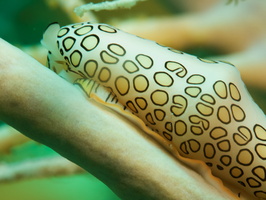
pixel 199 106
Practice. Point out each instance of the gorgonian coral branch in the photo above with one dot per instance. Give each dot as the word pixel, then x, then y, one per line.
pixel 46 108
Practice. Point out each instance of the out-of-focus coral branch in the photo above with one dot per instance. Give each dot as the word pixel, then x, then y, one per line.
pixel 251 63
pixel 10 137
pixel 32 168
pixel 227 28
pixel 106 5
pixel 38 168
pixel 237 31
pixel 48 109
pixel 68 6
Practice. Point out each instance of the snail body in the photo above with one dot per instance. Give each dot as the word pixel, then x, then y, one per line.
pixel 199 106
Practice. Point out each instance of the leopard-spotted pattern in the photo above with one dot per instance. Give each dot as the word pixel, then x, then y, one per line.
pixel 201 106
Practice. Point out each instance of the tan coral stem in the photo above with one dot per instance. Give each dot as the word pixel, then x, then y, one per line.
pixel 48 109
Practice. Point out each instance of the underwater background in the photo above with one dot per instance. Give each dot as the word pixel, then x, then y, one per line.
pixel 22 24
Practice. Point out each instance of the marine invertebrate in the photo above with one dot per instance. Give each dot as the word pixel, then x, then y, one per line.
pixel 204 116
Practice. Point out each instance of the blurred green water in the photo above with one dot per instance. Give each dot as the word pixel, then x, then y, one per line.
pixel 80 187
